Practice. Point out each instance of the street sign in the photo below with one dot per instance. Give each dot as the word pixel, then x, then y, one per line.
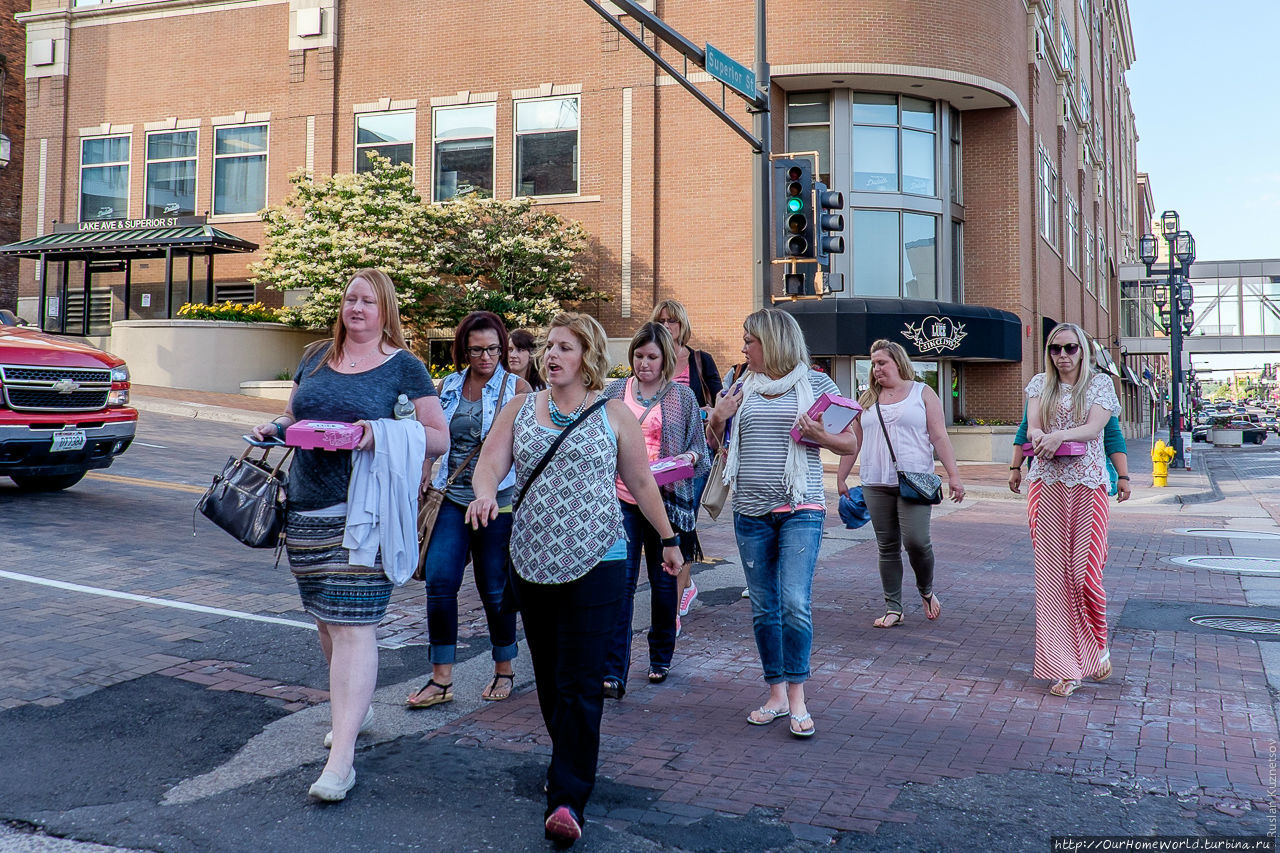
pixel 730 72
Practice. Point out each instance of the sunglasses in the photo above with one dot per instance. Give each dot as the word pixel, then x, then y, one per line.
pixel 1069 349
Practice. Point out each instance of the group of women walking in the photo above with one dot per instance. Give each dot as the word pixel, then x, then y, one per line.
pixel 548 492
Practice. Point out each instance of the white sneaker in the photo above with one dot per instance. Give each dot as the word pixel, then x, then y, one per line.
pixel 365 725
pixel 687 599
pixel 746 592
pixel 330 788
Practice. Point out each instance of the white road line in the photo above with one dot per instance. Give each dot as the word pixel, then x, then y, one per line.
pixel 144 444
pixel 160 602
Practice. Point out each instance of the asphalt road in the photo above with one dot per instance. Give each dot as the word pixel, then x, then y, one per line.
pixel 166 695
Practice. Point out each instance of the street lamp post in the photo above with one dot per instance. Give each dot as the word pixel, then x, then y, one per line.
pixel 1181 254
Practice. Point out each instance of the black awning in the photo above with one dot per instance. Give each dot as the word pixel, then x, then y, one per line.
pixel 128 243
pixel 929 330
pixel 1129 375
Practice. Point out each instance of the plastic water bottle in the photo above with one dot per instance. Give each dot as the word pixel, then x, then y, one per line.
pixel 404 409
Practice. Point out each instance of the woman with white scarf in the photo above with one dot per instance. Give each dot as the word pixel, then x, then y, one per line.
pixel 779 503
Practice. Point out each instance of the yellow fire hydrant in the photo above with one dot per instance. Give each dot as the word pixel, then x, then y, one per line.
pixel 1161 455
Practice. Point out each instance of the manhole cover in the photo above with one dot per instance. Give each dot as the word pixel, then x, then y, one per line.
pixel 1266 566
pixel 1246 624
pixel 1227 533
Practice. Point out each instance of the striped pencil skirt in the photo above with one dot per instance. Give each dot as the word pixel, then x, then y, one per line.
pixel 1069 539
pixel 333 591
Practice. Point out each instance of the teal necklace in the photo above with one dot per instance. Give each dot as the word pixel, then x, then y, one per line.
pixel 562 420
pixel 647 401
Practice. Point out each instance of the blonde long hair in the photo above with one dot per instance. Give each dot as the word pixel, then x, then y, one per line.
pixel 781 341
pixel 905 370
pixel 384 291
pixel 1053 382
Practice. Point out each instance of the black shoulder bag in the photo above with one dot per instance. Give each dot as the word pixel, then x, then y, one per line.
pixel 912 487
pixel 510 600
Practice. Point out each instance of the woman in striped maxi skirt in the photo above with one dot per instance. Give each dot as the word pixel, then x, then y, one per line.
pixel 1067 510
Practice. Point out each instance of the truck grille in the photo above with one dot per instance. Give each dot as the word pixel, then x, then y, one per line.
pixel 55 389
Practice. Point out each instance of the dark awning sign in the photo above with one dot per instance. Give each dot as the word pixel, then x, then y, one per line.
pixel 927 329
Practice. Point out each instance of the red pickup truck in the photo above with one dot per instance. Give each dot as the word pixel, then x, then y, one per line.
pixel 63 408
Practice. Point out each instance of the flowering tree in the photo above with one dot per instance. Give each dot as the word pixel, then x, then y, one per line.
pixel 507 257
pixel 446 259
pixel 327 229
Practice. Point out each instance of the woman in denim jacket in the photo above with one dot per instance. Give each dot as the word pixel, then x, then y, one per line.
pixel 471 398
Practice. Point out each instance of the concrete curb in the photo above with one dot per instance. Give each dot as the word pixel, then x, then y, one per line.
pixel 200 411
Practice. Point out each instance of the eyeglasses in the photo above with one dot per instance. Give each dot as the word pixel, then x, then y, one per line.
pixel 1069 349
pixel 476 352
pixel 670 321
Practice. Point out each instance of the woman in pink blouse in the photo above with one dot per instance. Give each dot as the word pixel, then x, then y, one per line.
pixel 1067 510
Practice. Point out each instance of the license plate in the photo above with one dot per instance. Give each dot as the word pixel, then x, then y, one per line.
pixel 68 439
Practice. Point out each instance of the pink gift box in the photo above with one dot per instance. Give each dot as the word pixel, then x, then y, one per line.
pixel 670 469
pixel 838 412
pixel 323 435
pixel 1067 448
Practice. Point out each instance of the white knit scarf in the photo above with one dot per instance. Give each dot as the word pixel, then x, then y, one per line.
pixel 796 475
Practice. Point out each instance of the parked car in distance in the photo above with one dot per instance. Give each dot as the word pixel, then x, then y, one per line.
pixel 1250 433
pixel 64 407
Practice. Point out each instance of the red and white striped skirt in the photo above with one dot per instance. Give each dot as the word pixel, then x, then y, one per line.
pixel 1069 538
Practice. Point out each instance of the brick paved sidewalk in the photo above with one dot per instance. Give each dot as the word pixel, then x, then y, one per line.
pixel 1185 713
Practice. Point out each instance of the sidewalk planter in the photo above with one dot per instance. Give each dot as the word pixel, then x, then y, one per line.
pixel 1224 437
pixel 207 355
pixel 982 443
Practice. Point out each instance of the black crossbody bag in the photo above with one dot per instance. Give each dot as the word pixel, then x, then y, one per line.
pixel 510 599
pixel 912 487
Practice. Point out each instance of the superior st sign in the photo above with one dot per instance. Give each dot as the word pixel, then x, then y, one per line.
pixel 732 73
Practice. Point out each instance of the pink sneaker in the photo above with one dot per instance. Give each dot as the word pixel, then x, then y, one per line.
pixel 686 600
pixel 562 827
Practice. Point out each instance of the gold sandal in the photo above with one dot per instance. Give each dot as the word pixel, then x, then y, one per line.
pixel 884 621
pixel 1065 687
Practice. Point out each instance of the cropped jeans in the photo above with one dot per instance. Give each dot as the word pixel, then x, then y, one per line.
pixel 900 525
pixel 779 552
pixel 452 540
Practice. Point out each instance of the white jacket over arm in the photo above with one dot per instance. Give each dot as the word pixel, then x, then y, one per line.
pixel 382 500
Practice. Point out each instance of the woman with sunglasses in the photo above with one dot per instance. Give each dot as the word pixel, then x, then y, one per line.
pixel 471 398
pixel 1067 511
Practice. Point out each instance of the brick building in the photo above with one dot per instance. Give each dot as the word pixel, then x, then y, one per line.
pixel 985 149
pixel 13 115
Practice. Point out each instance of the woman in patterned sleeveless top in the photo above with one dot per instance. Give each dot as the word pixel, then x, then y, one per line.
pixel 567 545
pixel 1067 511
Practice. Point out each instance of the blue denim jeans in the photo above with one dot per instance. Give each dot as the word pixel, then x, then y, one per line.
pixel 452 540
pixel 662 599
pixel 779 552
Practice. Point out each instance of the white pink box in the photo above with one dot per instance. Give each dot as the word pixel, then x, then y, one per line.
pixel 323 435
pixel 837 413
pixel 670 469
pixel 1067 448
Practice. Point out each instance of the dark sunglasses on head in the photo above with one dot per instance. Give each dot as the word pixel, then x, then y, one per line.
pixel 1069 349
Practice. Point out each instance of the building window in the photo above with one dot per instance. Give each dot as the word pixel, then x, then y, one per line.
pixel 171 173
pixel 1066 50
pixel 388 135
pixel 239 169
pixel 894 144
pixel 809 127
pixel 1048 199
pixel 1089 270
pixel 957 261
pixel 957 171
pixel 463 151
pixel 1086 102
pixel 104 177
pixel 547 146
pixel 1072 247
pixel 1102 268
pixel 895 254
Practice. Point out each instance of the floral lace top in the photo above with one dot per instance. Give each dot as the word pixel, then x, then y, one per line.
pixel 1090 469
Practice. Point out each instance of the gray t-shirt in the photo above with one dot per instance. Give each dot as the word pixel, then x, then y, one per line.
pixel 319 478
pixel 464 435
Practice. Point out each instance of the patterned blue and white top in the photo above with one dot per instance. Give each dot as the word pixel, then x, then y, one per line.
pixel 570 520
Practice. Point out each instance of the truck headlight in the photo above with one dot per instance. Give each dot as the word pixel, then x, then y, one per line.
pixel 120 374
pixel 119 395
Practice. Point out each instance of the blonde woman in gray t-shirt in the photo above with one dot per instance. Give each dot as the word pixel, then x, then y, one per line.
pixel 778 500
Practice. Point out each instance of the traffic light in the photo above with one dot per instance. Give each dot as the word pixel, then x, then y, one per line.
pixel 830 240
pixel 793 209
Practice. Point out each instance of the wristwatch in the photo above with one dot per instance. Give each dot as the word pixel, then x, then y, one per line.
pixel 671 542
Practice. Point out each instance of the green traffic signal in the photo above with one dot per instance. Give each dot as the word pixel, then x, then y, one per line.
pixel 795 205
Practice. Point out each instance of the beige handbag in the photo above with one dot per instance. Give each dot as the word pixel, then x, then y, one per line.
pixel 716 493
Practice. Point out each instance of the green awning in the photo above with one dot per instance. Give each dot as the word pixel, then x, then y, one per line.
pixel 126 244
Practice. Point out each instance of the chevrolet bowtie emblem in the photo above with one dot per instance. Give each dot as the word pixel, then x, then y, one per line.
pixel 66 386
